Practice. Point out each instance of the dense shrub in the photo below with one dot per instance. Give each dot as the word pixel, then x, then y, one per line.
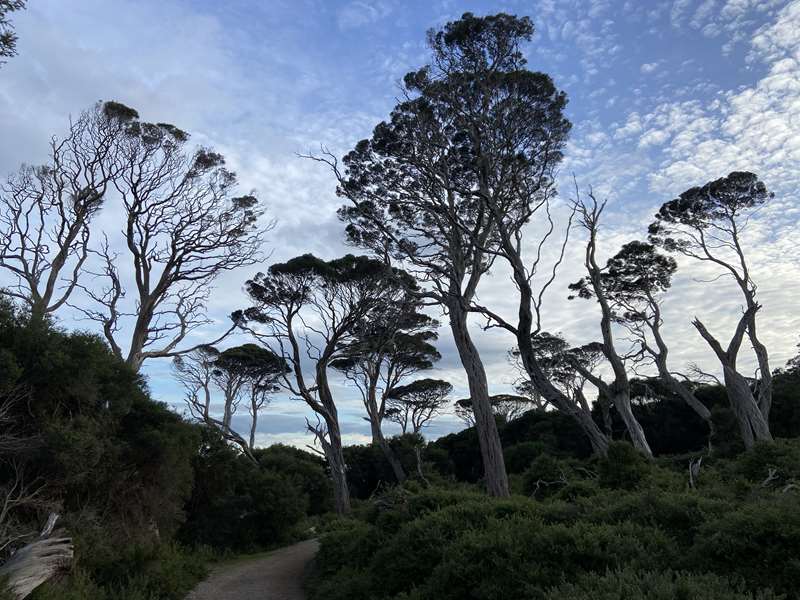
pixel 627 584
pixel 623 467
pixel 238 505
pixel 759 541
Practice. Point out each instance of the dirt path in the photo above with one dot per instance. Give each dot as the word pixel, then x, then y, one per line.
pixel 275 576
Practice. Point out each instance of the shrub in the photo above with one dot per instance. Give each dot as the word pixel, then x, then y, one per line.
pixel 515 558
pixel 627 584
pixel 519 456
pixel 759 541
pixel 545 476
pixel 623 467
pixel 781 457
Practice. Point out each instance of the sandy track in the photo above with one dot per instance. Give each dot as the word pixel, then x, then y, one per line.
pixel 276 576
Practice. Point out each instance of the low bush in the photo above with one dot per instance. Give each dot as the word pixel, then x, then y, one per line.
pixel 627 584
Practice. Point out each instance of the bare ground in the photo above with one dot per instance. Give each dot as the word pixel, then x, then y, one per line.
pixel 275 576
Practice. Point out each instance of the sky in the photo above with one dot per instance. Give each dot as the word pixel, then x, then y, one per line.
pixel 663 96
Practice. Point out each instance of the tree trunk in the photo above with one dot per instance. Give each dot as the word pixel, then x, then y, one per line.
pixel 391 458
pixel 418 455
pixel 341 491
pixel 622 402
pixel 752 425
pixel 494 467
pixel 558 399
pixel 37 562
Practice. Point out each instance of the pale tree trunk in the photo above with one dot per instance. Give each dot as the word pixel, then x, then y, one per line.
pixel 379 440
pixel 622 402
pixel 335 457
pixel 37 562
pixel 488 437
pixel 753 425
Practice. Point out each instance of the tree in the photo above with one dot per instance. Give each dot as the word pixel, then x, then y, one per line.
pixel 505 406
pixel 8 39
pixel 47 210
pixel 390 344
pixel 634 280
pixel 562 366
pixel 308 311
pixel 243 372
pixel 182 229
pixel 414 405
pixel 469 129
pixel 618 391
pixel 706 223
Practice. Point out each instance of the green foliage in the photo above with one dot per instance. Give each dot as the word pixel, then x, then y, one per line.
pixel 519 456
pixel 162 572
pixel 238 505
pixel 623 467
pixel 626 584
pixel 633 529
pixel 545 476
pixel 306 471
pixel 759 541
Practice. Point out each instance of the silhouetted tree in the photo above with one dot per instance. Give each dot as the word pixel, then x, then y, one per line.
pixel 634 280
pixel 390 344
pixel 559 364
pixel 248 372
pixel 414 406
pixel 618 391
pixel 46 211
pixel 308 312
pixel 706 223
pixel 182 228
pixel 473 129
pixel 8 39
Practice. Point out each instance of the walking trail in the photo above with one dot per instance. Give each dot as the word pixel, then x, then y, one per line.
pixel 276 576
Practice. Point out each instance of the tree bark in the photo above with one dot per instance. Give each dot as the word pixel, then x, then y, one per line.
pixel 379 440
pixel 37 562
pixel 488 437
pixel 753 425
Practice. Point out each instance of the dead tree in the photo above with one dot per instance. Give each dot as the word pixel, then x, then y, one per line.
pixel 182 228
pixel 307 311
pixel 38 561
pixel 47 211
pixel 707 223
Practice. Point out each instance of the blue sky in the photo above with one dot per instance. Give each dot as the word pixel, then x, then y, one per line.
pixel 663 95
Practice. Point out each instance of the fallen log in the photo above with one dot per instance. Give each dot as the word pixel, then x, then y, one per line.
pixel 35 563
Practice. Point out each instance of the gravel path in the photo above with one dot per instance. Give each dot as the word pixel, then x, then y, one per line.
pixel 277 576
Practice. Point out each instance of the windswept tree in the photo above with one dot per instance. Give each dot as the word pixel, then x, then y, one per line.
pixel 707 223
pixel 246 373
pixel 413 406
pixel 595 285
pixel 390 344
pixel 8 38
pixel 505 406
pixel 562 366
pixel 182 228
pixel 46 211
pixel 635 280
pixel 308 311
pixel 473 128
